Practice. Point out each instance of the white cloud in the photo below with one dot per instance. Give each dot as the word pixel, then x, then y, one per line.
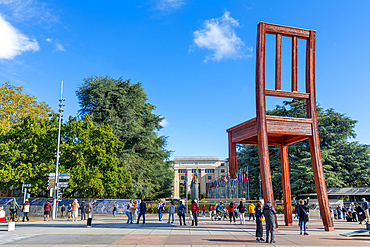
pixel 59 47
pixel 169 4
pixel 49 40
pixel 13 42
pixel 164 123
pixel 218 35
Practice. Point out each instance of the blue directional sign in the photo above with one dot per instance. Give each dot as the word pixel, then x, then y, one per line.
pixel 63 174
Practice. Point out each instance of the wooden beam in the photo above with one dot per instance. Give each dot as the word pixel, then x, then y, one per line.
pixel 287 31
pixel 286 184
pixel 294 63
pixel 286 94
pixel 278 63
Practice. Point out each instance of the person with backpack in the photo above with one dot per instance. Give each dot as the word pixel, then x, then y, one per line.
pixel 303 210
pixel 181 213
pixel 269 212
pixel 231 209
pixel 241 210
pixel 83 210
pixel 142 211
pixel 259 219
pixel 194 212
pixel 13 208
pixel 89 208
pixel 128 213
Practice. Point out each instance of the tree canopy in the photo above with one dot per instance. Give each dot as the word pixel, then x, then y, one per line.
pixel 15 104
pixel 125 108
pixel 88 153
pixel 345 163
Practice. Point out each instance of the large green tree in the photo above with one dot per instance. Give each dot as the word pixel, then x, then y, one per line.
pixel 125 108
pixel 27 155
pixel 16 104
pixel 345 163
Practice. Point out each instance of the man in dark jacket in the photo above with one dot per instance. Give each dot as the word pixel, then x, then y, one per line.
pixel 142 211
pixel 83 210
pixel 269 213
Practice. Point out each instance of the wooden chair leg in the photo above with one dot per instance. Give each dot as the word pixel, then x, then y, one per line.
pixel 288 218
pixel 233 163
pixel 320 185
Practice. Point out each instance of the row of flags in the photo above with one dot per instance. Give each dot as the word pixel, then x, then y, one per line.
pixel 241 176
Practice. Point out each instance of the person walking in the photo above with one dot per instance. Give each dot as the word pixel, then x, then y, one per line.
pixel 343 212
pixel 171 212
pixel 194 212
pixel 133 209
pixel 26 210
pixel 90 212
pixel 259 219
pixel 366 208
pixel 114 211
pixel 47 210
pixel 231 209
pixel 252 211
pixel 128 213
pixel 353 211
pixel 160 210
pixel 63 210
pixel 339 211
pixel 13 208
pixel 75 207
pixel 241 210
pixel 181 213
pixel 360 213
pixel 83 210
pixel 303 216
pixel 69 211
pixel 142 211
pixel 210 209
pixel 269 212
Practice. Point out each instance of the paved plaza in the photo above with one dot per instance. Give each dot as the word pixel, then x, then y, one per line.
pixel 107 231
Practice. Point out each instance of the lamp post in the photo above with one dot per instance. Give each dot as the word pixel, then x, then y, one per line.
pixel 58 154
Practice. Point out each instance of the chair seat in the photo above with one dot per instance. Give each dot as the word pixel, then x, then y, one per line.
pixel 280 130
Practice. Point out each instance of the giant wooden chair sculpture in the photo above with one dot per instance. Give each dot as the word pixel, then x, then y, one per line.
pixel 282 131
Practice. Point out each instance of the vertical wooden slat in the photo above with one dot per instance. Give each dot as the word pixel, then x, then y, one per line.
pixel 314 141
pixel 288 218
pixel 232 157
pixel 278 63
pixel 263 151
pixel 294 63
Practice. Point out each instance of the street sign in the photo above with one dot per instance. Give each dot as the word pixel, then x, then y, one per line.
pixel 64 177
pixel 26 185
pixel 51 180
pixel 60 174
pixel 60 185
pixel 63 183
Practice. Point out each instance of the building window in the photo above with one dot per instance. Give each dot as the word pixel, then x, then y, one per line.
pixel 193 171
pixel 182 171
pixel 210 171
pixel 182 178
pixel 222 164
pixel 209 177
pixel 222 170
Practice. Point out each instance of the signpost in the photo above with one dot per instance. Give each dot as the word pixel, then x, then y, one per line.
pixel 25 186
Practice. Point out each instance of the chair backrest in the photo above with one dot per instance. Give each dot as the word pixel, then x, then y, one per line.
pixel 295 34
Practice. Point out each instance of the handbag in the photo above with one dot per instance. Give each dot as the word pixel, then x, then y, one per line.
pixel 262 218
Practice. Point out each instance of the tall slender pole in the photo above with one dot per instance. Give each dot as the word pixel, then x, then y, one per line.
pixel 58 154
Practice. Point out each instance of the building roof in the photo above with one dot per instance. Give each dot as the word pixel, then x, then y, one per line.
pixel 195 158
pixel 349 191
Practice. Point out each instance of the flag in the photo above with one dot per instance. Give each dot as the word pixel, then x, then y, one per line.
pixel 186 177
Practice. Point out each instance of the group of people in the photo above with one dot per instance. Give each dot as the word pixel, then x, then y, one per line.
pixel 133 208
pixel 354 212
pixel 14 207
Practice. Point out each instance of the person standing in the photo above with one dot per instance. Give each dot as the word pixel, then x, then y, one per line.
pixel 181 213
pixel 26 210
pixel 194 211
pixel 47 210
pixel 231 209
pixel 114 211
pixel 259 220
pixel 360 213
pixel 204 208
pixel 69 211
pixel 13 208
pixel 366 208
pixel 171 212
pixel 75 207
pixel 2 214
pixel 353 211
pixel 63 210
pixel 343 212
pixel 90 212
pixel 128 213
pixel 269 213
pixel 251 210
pixel 83 210
pixel 295 209
pixel 303 216
pixel 241 210
pixel 133 209
pixel 210 210
pixel 142 211
pixel 160 210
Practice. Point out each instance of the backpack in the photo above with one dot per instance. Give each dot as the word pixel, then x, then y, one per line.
pixel 182 210
pixel 88 208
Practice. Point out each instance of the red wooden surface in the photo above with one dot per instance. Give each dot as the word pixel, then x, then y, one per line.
pixel 282 131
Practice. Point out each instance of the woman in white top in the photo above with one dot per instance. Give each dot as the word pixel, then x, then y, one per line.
pixel 26 210
pixel 2 214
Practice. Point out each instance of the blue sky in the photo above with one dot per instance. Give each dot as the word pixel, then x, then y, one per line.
pixel 196 59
